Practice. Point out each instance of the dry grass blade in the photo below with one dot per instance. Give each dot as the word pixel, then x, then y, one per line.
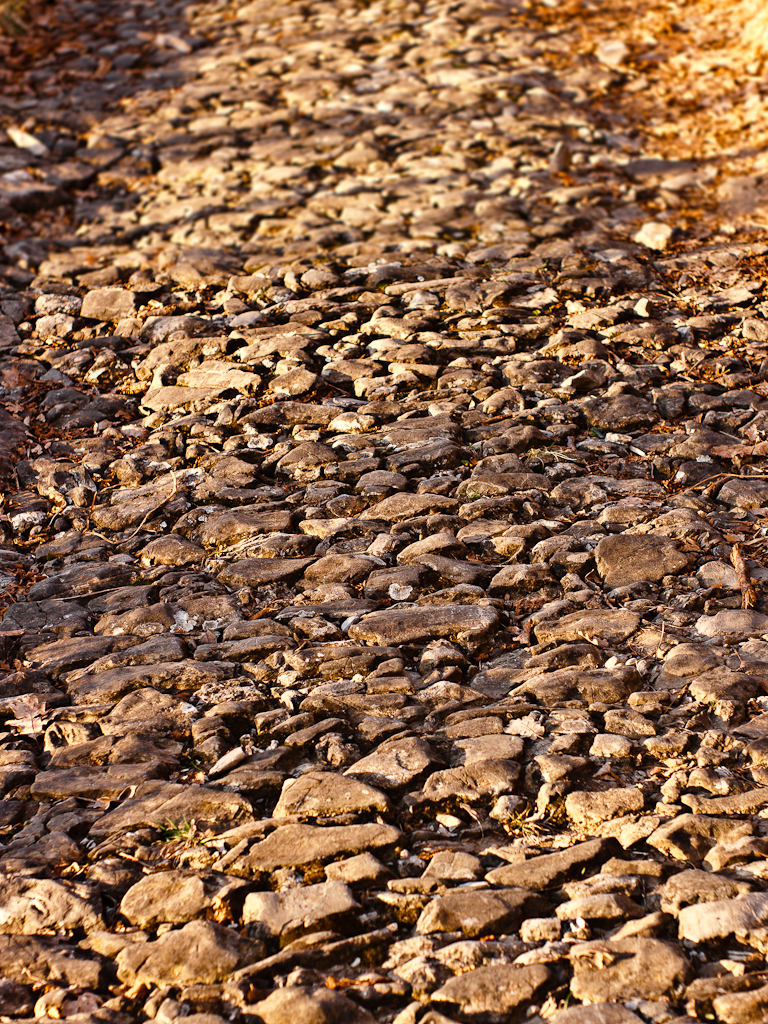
pixel 748 595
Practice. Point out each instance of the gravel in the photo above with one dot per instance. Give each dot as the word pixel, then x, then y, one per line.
pixel 384 633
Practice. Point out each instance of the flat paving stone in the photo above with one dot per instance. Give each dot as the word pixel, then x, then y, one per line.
pixel 382 453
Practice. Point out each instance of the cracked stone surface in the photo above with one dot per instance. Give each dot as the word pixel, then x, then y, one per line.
pixel 384 463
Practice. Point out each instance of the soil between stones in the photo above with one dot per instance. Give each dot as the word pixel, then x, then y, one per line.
pixel 383 441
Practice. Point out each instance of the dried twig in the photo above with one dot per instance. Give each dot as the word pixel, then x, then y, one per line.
pixel 661 641
pixel 748 595
pixel 329 952
pixel 710 483
pixel 155 508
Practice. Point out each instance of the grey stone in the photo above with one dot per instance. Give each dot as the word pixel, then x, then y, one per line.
pixel 624 969
pixel 478 781
pixel 590 809
pixel 741 493
pixel 551 869
pixel 297 846
pixel 361 869
pixel 742 1007
pixel 597 1013
pixel 691 836
pixel 502 990
pixel 612 625
pixel 465 624
pixel 43 906
pixel 745 918
pixel 688 888
pixel 733 623
pixel 173 896
pixel 627 558
pixel 289 915
pixel 395 764
pixel 171 551
pixel 200 953
pixel 454 866
pixel 161 803
pixel 304 1006
pixel 597 685
pixel 479 913
pixel 253 572
pixel 359 469
pixel 108 304
pixel 599 907
pixel 620 413
pixel 324 794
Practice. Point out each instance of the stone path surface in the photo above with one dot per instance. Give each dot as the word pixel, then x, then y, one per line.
pixel 383 436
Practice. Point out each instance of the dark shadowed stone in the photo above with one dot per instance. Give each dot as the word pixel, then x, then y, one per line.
pixel 15 1000
pixel 30 959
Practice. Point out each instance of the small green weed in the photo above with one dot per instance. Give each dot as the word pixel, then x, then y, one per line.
pixel 185 833
pixel 522 825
